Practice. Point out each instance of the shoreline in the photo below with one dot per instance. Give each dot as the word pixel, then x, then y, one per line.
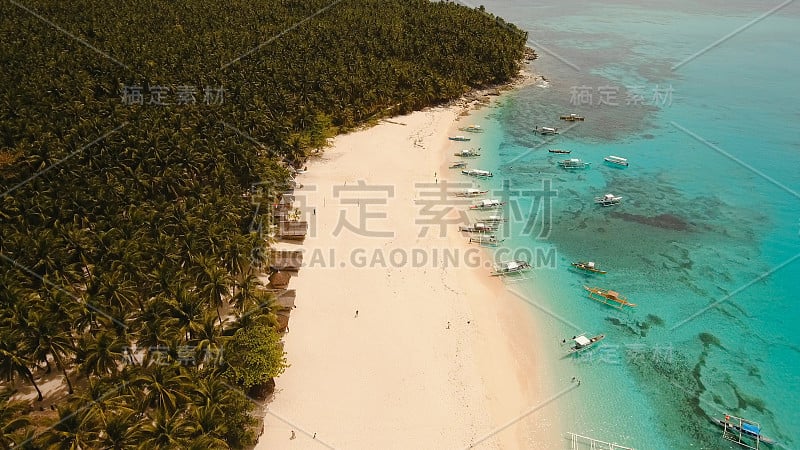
pixel 437 357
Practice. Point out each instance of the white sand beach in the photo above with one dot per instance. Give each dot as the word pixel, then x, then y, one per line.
pixel 396 376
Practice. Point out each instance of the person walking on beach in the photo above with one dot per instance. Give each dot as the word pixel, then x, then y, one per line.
pixel 292 436
pixel 448 325
pixel 356 313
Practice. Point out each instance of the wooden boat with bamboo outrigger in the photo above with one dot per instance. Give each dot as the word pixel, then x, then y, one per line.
pixel 511 267
pixel 736 429
pixel 581 342
pixel 573 118
pixel 471 192
pixel 608 200
pixel 487 204
pixel 472 129
pixel 574 163
pixel 459 138
pixel 477 173
pixel 458 165
pixel 545 131
pixel 588 266
pixel 468 153
pixel 559 151
pixel 487 240
pixel 608 297
pixel 478 227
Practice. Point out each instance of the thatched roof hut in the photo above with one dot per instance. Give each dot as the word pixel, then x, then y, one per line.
pixel 285 301
pixel 292 229
pixel 290 260
pixel 279 280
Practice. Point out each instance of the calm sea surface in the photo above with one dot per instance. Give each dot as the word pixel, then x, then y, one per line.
pixel 706 241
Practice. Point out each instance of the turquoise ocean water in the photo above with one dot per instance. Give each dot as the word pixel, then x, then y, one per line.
pixel 707 239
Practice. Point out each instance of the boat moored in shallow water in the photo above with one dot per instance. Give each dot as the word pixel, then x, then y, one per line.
pixel 468 153
pixel 574 163
pixel 616 160
pixel 588 266
pixel 742 431
pixel 471 192
pixel 511 267
pixel 478 227
pixel 459 138
pixel 488 240
pixel 472 129
pixel 608 200
pixel 581 342
pixel 608 297
pixel 488 204
pixel 477 173
pixel 546 131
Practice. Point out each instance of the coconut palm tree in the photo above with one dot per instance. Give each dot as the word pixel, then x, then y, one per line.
pixel 72 431
pixel 46 338
pixel 165 430
pixel 119 431
pixel 101 354
pixel 12 420
pixel 12 364
pixel 162 386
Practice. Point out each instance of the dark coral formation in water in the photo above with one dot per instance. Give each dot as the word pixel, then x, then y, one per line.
pixel 635 327
pixel 665 221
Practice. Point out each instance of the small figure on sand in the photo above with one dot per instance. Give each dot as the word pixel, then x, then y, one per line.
pixel 292 436
pixel 356 313
pixel 448 325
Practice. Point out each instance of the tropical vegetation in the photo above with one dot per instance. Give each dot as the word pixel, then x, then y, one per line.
pixel 137 143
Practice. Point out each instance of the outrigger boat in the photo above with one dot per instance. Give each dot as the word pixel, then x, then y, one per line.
pixel 574 163
pixel 546 131
pixel 470 193
pixel 472 129
pixel 735 429
pixel 573 118
pixel 488 204
pixel 556 150
pixel 588 266
pixel 608 200
pixel 459 138
pixel 582 342
pixel 478 227
pixel 616 160
pixel 488 240
pixel 511 267
pixel 494 219
pixel 608 297
pixel 468 153
pixel 458 165
pixel 477 173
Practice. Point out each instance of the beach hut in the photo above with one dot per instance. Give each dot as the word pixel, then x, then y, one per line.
pixel 284 301
pixel 292 229
pixel 284 304
pixel 279 279
pixel 285 260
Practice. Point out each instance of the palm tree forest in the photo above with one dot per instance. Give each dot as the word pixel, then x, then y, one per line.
pixel 131 136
